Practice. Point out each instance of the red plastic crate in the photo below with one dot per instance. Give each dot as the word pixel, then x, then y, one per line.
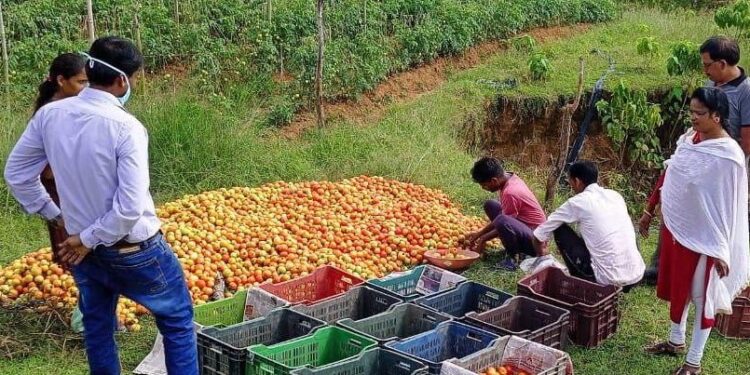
pixel 737 325
pixel 323 283
pixel 594 308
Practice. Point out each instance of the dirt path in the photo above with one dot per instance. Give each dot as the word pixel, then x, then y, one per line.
pixel 407 85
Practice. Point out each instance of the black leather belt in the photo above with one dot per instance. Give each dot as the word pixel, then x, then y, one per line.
pixel 122 244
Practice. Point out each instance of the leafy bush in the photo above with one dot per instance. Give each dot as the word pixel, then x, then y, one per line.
pixel 282 113
pixel 685 57
pixel 524 43
pixel 735 16
pixel 540 67
pixel 647 46
pixel 631 122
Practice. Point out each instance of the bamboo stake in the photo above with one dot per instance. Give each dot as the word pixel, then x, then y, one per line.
pixel 319 67
pixel 6 63
pixel 177 12
pixel 565 130
pixel 90 20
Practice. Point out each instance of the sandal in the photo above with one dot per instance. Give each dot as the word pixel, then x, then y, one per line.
pixel 687 369
pixel 665 348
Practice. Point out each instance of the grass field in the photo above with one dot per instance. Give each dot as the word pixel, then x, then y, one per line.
pixel 200 143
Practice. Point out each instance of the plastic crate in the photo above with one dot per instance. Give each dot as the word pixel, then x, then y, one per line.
pixel 356 303
pixel 223 351
pixel 225 311
pixel 594 308
pixel 526 318
pixel 417 282
pixel 737 325
pixel 325 346
pixel 324 282
pixel 246 304
pixel 399 322
pixel 447 341
pixel 371 362
pixel 464 298
pixel 522 354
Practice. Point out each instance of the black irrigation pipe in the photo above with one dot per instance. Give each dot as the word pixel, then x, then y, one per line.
pixel 596 94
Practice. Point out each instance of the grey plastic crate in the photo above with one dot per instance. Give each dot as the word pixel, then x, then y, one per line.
pixel 526 318
pixel 399 322
pixel 357 303
pixel 223 351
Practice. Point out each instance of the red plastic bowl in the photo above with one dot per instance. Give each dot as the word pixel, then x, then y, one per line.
pixel 434 258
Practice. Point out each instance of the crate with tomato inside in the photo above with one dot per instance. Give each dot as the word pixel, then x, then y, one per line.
pixel 511 355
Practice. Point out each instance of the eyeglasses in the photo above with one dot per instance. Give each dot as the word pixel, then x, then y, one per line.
pixel 708 65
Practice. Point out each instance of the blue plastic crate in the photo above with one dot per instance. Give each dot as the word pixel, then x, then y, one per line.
pixel 447 341
pixel 465 298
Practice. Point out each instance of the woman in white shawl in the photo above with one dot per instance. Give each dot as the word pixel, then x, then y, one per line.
pixel 706 249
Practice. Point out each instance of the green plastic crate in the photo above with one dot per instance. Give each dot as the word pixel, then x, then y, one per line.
pixel 225 311
pixel 402 284
pixel 375 361
pixel 417 282
pixel 326 346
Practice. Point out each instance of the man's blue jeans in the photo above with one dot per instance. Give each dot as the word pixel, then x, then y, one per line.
pixel 151 276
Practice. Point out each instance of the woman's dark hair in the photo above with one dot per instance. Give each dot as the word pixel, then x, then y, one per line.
pixel 717 103
pixel 66 65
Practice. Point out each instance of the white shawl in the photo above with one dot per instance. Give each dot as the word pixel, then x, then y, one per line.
pixel 705 207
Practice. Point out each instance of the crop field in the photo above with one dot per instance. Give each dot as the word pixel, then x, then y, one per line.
pixel 249 190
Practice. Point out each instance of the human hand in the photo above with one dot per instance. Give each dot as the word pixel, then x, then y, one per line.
pixel 541 248
pixel 72 250
pixel 644 223
pixel 471 238
pixel 57 222
pixel 721 267
pixel 479 245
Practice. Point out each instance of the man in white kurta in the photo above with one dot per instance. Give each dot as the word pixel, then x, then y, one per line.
pixel 606 250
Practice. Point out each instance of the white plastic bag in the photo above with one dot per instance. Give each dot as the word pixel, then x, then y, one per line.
pixel 534 265
pixel 154 363
pixel 435 279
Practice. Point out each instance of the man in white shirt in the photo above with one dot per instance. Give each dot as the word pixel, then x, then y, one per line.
pixel 606 250
pixel 99 155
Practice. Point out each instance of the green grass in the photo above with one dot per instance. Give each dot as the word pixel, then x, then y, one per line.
pixel 616 39
pixel 200 143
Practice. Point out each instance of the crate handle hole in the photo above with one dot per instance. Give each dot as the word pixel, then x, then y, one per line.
pixel 543 312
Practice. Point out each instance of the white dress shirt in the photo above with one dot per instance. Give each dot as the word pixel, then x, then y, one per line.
pixel 605 226
pixel 99 156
